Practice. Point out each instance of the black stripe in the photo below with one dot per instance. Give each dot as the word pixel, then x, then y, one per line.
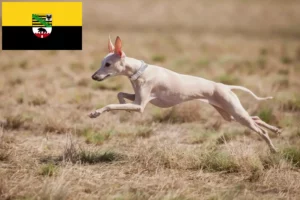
pixel 38 21
pixel 39 24
pixel 22 38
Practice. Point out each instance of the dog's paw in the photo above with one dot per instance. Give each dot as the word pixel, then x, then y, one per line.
pixel 274 150
pixel 278 131
pixel 94 114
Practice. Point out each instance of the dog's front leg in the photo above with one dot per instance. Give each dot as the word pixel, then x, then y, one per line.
pixel 138 106
pixel 142 97
pixel 122 96
pixel 127 107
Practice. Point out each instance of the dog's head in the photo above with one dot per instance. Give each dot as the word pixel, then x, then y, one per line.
pixel 113 63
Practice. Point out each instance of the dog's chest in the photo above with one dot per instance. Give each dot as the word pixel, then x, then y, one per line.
pixel 137 84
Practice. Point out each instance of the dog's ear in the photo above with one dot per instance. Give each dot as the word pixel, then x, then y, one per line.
pixel 118 47
pixel 111 47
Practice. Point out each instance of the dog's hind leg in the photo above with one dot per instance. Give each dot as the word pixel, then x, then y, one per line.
pixel 224 114
pixel 246 120
pixel 264 134
pixel 265 125
pixel 231 104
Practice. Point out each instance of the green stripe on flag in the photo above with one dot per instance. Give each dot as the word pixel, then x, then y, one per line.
pixel 37 18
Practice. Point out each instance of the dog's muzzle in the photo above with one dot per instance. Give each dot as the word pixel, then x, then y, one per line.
pixel 97 78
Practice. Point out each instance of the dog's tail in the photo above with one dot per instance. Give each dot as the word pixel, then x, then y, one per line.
pixel 249 91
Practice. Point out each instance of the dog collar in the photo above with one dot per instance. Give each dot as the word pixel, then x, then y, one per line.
pixel 139 72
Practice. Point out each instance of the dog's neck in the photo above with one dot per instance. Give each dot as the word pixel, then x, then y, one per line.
pixel 132 66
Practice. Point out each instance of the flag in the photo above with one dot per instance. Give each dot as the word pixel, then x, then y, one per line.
pixel 41 26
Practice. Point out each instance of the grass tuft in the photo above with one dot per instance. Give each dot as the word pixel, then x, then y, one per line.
pixel 55 126
pixel 13 122
pixel 23 64
pixel 292 154
pixel 20 99
pixel 144 132
pixel 48 169
pixel 203 62
pixel 74 154
pixel 270 161
pixel 266 114
pixel 286 60
pixel 93 137
pixel 92 157
pixel 261 62
pixel 255 175
pixel 263 51
pixel 37 101
pixel 137 131
pixel 5 149
pixel 226 137
pixel 4 154
pixel 158 58
pixel 292 105
pixel 282 83
pixel 283 71
pixel 198 136
pixel 16 81
pixel 228 79
pixel 70 153
pixel 219 161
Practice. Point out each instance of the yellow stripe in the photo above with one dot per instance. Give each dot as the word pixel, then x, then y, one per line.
pixel 20 13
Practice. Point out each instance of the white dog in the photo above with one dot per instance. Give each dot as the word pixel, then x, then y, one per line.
pixel 164 88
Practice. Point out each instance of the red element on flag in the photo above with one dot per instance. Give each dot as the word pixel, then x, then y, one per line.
pixel 42 35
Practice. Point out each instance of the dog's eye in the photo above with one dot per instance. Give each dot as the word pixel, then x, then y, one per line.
pixel 107 64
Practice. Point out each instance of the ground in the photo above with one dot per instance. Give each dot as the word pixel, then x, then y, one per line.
pixel 51 149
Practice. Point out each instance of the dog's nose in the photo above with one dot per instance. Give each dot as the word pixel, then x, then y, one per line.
pixel 94 77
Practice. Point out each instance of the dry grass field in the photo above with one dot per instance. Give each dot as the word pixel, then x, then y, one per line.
pixel 51 149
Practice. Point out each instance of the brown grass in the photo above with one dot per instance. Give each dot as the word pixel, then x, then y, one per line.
pixel 186 112
pixel 50 149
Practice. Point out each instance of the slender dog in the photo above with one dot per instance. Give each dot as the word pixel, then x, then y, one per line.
pixel 164 88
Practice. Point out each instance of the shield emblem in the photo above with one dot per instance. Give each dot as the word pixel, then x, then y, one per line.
pixel 42 25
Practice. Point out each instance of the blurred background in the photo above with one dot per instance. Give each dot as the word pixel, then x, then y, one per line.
pixel 186 152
